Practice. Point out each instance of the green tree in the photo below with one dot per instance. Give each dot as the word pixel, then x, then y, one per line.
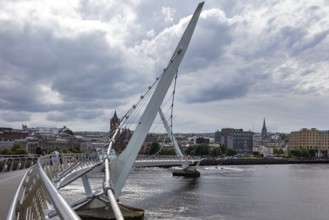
pixel 155 147
pixel 215 152
pixel 312 153
pixel 202 149
pixel 190 150
pixel 38 150
pixel 198 150
pixel 296 153
pixel 223 149
pixel 256 154
pixel 18 148
pixel 305 152
pixel 167 151
pixel 230 152
pixel 74 150
pixel 65 151
pixel 278 151
pixel 6 152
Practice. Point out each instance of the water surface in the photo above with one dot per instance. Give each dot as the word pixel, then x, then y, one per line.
pixel 254 192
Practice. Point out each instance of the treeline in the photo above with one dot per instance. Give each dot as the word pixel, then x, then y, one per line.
pixel 206 150
pixel 303 152
pixel 16 149
pixel 40 151
pixel 156 149
pixel 193 150
pixel 19 149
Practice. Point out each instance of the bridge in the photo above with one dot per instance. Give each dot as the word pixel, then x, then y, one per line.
pixel 38 194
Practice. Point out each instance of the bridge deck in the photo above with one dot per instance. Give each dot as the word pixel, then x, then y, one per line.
pixel 9 182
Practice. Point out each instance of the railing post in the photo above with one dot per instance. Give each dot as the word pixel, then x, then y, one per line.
pixel 12 164
pixel 4 168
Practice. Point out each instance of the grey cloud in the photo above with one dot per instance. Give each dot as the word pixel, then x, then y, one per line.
pixel 223 87
pixel 13 116
pixel 57 116
pixel 306 44
pixel 227 58
pixel 81 69
pixel 75 114
pixel 208 44
pixel 220 92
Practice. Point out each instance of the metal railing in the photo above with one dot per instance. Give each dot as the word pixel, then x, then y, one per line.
pixel 37 196
pixel 16 162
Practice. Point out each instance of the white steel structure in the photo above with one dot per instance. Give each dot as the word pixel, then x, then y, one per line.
pixel 37 196
pixel 120 168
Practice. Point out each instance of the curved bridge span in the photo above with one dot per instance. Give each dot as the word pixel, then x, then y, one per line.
pixel 38 195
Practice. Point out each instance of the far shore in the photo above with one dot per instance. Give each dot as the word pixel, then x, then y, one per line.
pixel 255 161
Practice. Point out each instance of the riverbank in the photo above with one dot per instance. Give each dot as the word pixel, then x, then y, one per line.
pixel 243 161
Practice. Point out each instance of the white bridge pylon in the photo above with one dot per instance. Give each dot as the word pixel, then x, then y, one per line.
pixel 122 165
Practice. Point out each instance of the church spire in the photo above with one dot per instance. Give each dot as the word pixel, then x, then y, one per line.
pixel 264 130
pixel 115 121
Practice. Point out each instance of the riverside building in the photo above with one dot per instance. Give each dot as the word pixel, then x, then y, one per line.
pixel 236 139
pixel 312 139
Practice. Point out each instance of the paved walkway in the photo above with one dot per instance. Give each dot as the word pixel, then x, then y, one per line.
pixel 9 182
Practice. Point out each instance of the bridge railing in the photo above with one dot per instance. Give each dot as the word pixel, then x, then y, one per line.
pixel 16 162
pixel 37 196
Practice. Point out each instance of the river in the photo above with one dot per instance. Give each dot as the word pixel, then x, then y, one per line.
pixel 254 192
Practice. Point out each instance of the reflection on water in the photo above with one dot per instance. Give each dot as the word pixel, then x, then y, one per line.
pixel 228 192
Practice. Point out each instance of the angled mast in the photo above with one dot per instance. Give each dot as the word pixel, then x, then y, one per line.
pixel 121 166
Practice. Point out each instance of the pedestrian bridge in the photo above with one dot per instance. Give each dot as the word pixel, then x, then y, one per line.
pixel 38 194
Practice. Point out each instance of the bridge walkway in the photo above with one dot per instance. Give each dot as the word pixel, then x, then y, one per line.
pixel 9 182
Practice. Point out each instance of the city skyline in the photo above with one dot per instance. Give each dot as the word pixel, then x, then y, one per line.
pixel 76 63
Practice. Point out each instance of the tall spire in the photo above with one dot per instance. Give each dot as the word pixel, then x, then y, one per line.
pixel 115 117
pixel 115 121
pixel 264 131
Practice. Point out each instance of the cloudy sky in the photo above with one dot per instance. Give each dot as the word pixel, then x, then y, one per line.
pixel 75 62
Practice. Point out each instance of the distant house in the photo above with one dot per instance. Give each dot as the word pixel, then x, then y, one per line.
pixel 9 136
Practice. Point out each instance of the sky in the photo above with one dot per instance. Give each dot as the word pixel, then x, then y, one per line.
pixel 73 63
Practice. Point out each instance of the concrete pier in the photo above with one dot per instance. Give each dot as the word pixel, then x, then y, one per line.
pixel 188 172
pixel 98 209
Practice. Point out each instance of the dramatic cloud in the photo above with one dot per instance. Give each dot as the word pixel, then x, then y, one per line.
pixel 74 63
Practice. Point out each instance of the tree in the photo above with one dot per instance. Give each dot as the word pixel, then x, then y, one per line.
pixel 312 153
pixel 18 148
pixel 303 152
pixel 202 149
pixel 167 151
pixel 198 150
pixel 256 153
pixel 38 150
pixel 6 152
pixel 223 149
pixel 190 150
pixel 278 151
pixel 215 152
pixel 155 147
pixel 230 152
pixel 74 150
